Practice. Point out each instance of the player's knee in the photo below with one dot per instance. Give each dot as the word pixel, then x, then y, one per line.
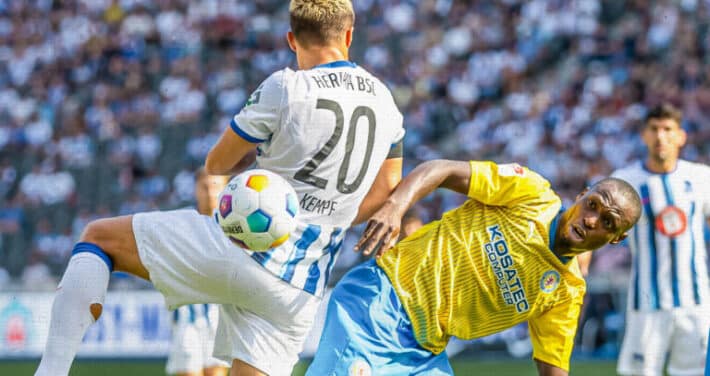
pixel 96 310
pixel 99 232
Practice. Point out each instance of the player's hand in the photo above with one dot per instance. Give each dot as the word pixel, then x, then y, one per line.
pixel 381 232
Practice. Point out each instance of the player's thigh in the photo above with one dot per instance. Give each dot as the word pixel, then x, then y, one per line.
pixel 646 342
pixel 116 238
pixel 240 368
pixel 690 341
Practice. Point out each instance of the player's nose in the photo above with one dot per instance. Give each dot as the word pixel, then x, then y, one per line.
pixel 591 221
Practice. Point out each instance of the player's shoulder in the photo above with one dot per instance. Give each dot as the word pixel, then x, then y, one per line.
pixel 694 168
pixel 631 172
pixel 278 79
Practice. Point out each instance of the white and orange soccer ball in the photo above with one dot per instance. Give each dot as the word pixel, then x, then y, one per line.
pixel 257 210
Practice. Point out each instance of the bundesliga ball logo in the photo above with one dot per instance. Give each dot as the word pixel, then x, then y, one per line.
pixel 257 210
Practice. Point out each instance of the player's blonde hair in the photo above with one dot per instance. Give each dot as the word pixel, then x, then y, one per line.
pixel 320 22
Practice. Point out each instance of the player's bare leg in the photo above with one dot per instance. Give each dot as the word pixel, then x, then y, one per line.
pixel 105 245
pixel 216 371
pixel 240 368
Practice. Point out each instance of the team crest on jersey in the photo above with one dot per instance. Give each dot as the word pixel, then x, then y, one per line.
pixel 511 169
pixel 360 368
pixel 671 221
pixel 549 281
pixel 254 97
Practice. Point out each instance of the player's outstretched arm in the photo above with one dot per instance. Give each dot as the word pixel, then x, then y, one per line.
pixel 231 155
pixel 387 179
pixel 545 369
pixel 383 228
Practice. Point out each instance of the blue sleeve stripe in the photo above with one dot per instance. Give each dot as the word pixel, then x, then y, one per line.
pixel 244 135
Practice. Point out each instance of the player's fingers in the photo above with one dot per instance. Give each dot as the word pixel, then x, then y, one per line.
pixel 366 237
pixel 376 241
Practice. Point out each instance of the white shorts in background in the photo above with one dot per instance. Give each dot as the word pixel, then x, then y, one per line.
pixel 263 321
pixel 192 341
pixel 680 335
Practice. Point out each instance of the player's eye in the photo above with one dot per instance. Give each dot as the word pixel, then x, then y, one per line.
pixel 607 223
pixel 592 204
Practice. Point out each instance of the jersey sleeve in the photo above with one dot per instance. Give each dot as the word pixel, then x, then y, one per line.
pixel 261 115
pixel 552 334
pixel 507 184
pixel 397 147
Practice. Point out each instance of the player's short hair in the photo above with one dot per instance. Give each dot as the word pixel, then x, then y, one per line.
pixel 628 192
pixel 320 22
pixel 664 111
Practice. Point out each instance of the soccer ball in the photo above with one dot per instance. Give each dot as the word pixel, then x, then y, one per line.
pixel 257 210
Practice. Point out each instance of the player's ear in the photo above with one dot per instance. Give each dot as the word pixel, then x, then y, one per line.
pixel 349 37
pixel 291 40
pixel 619 238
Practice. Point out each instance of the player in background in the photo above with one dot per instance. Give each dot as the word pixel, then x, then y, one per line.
pixel 333 131
pixel 195 325
pixel 668 300
pixel 505 256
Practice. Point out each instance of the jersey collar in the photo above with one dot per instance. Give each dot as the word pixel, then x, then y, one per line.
pixel 337 64
pixel 551 235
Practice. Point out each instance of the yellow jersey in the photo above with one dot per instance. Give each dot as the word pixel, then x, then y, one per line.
pixel 487 266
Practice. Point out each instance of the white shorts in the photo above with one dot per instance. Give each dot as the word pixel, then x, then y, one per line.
pixel 651 336
pixel 263 320
pixel 193 341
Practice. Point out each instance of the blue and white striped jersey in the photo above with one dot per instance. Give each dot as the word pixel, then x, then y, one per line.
pixel 669 266
pixel 327 131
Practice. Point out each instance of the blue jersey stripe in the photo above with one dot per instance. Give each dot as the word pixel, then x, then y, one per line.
pixel 674 245
pixel 314 272
pixel 646 199
pixel 636 271
pixel 310 235
pixel 263 257
pixel 693 270
pixel 312 280
pixel 332 249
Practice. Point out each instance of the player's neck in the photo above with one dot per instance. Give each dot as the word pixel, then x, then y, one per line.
pixel 661 167
pixel 313 57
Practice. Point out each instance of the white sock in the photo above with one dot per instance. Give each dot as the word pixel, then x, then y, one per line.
pixel 84 283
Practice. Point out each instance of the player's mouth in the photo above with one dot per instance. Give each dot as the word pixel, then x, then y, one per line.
pixel 578 231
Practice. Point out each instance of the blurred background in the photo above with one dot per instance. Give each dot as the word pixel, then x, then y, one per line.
pixel 107 107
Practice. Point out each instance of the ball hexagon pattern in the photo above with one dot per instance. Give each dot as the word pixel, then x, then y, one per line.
pixel 257 210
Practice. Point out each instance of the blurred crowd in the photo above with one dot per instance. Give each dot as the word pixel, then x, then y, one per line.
pixel 108 106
